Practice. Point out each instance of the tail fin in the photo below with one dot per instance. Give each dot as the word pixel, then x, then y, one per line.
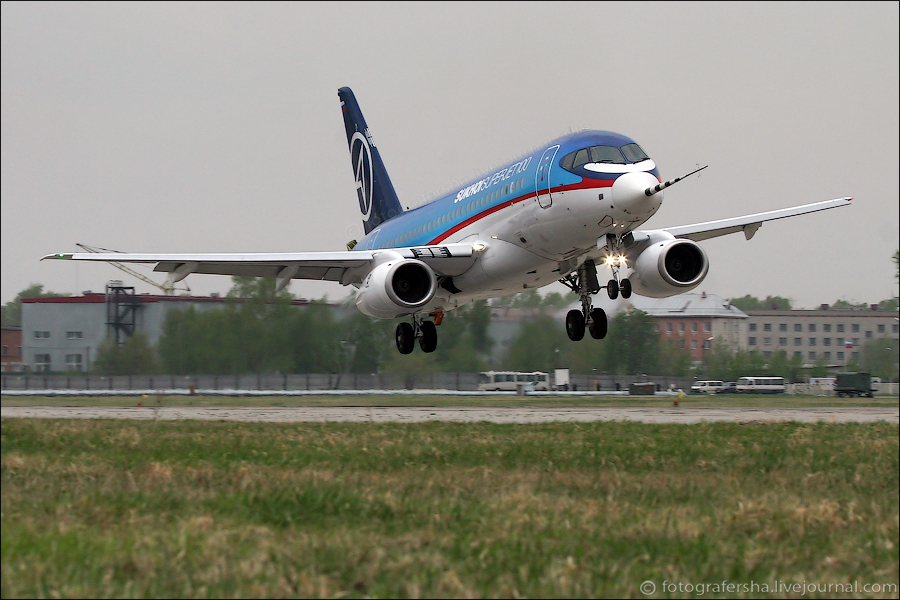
pixel 378 201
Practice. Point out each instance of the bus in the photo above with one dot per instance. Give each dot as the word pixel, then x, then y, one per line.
pixel 506 381
pixel 760 385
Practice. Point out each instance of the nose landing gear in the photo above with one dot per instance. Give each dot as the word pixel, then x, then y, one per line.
pixel 615 287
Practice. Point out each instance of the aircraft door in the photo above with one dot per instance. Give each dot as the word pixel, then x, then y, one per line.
pixel 542 177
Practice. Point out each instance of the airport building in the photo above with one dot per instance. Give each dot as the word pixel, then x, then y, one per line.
pixel 696 321
pixel 64 333
pixel 835 336
pixel 12 349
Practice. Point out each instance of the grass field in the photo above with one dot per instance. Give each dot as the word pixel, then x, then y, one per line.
pixel 486 400
pixel 216 509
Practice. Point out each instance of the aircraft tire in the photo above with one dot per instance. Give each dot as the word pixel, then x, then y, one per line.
pixel 575 325
pixel 599 324
pixel 626 289
pixel 428 341
pixel 405 338
pixel 612 289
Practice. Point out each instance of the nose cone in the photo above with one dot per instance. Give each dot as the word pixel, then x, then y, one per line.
pixel 629 193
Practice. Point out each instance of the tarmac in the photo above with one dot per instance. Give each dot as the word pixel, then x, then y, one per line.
pixel 682 414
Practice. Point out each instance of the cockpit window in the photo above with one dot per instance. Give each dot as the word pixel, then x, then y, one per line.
pixel 606 154
pixel 629 153
pixel 581 157
pixel 634 153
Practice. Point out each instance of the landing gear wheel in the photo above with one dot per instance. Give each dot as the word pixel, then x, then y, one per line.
pixel 598 324
pixel 575 325
pixel 625 288
pixel 428 341
pixel 612 289
pixel 405 338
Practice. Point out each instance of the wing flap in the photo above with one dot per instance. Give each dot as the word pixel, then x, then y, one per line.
pixel 344 267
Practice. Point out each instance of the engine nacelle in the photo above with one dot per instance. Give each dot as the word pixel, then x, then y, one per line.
pixel 396 288
pixel 668 267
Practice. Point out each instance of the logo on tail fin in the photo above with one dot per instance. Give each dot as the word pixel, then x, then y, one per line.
pixel 378 201
pixel 361 155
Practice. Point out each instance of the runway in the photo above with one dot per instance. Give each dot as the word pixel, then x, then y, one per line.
pixel 684 415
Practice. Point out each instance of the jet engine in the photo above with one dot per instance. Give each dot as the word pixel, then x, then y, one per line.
pixel 396 288
pixel 667 267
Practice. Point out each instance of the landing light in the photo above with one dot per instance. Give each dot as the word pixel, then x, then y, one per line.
pixel 479 246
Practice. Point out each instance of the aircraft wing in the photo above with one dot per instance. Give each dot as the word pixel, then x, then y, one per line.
pixel 345 267
pixel 749 224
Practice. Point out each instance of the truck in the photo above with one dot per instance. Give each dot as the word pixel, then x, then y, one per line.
pixel 853 385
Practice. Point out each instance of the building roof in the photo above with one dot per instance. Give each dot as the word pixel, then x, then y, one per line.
pixel 97 298
pixel 825 311
pixel 688 305
pixel 680 306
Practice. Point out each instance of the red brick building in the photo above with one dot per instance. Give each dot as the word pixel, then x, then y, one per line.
pixel 696 321
pixel 12 349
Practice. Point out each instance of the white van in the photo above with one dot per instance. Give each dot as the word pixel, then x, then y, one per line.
pixel 707 387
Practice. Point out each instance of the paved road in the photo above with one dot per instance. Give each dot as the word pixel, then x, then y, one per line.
pixel 494 415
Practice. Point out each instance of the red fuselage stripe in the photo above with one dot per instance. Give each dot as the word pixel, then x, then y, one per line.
pixel 582 185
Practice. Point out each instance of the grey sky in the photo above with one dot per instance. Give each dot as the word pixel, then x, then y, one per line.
pixel 216 127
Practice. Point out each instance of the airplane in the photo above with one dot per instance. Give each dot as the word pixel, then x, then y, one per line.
pixel 554 214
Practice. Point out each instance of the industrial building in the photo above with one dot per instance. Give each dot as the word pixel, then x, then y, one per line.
pixel 64 333
pixel 695 322
pixel 12 349
pixel 832 335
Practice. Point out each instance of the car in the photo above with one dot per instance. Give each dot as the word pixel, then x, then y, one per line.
pixel 730 387
pixel 706 387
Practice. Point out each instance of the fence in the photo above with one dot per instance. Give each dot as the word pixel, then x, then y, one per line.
pixel 275 382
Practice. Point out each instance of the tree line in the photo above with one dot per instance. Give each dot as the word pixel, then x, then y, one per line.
pixel 261 331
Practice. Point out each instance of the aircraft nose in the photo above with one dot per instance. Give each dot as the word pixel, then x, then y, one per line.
pixel 629 193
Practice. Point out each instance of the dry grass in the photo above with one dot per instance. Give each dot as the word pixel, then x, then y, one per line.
pixel 106 509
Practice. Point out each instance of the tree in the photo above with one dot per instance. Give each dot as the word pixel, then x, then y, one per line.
pixel 134 357
pixel 539 345
pixel 632 345
pixel 11 312
pixel 674 360
pixel 365 342
pixel 555 300
pixel 843 304
pixel 789 367
pixel 718 362
pixel 889 304
pixel 879 357
pixel 749 302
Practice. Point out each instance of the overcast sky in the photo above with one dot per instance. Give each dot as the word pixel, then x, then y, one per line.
pixel 216 127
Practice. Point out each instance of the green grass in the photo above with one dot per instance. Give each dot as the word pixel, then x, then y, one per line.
pixel 488 400
pixel 170 509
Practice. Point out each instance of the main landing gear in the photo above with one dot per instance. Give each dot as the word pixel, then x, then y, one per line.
pixel 407 333
pixel 584 283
